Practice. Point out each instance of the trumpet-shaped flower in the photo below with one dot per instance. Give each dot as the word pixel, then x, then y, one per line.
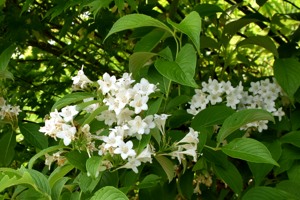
pixel 125 150
pixel 67 133
pixel 68 113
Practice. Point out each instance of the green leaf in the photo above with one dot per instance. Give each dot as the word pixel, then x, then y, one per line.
pixel 93 165
pixel 177 101
pixel 5 57
pixel 260 170
pixel 77 159
pixel 59 173
pixel 174 72
pixel 230 175
pixel 143 143
pixel 263 41
pixel 33 136
pixel 96 5
pixel 4 74
pixel 155 77
pixel 291 138
pixel 167 166
pixel 132 21
pixel 154 106
pixel 15 178
pixel 185 182
pixel 207 42
pixel 57 188
pixel 70 99
pixel 26 5
pixel 109 193
pixel 250 150
pixel 233 27
pixel 191 26
pixel 92 116
pixel 138 60
pixel 187 60
pixel 150 40
pixel 40 181
pixel 86 183
pixel 289 186
pixel 207 9
pixel 287 74
pixel 241 118
pixel 7 148
pixel 294 172
pixel 214 115
pixel 267 193
pixel 150 180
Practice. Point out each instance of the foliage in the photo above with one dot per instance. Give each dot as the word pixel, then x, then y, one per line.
pixel 211 99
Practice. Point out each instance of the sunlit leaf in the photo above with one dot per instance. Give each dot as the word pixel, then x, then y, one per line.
pixel 109 193
pixel 250 150
pixel 241 118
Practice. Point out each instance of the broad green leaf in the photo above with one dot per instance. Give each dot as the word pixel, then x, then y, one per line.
pixel 291 138
pixel 288 156
pixel 132 21
pixel 267 193
pixel 5 57
pixel 263 41
pixel 77 159
pixel 31 134
pixel 143 143
pixel 155 77
pixel 167 54
pixel 241 118
pixel 119 4
pixel 154 106
pixel 18 178
pixel 287 74
pixel 260 170
pixel 150 40
pixel 233 27
pixel 59 173
pixel 174 72
pixel 214 115
pixel 86 183
pixel 250 150
pixel 187 59
pixel 177 101
pixel 185 182
pixel 5 74
pixel 93 166
pixel 289 186
pixel 31 194
pixel 57 188
pixel 191 26
pixel 207 9
pixel 207 42
pixel 70 99
pixel 109 178
pixel 167 166
pixel 203 135
pixel 294 172
pixel 138 60
pixel 230 175
pixel 7 146
pixel 40 181
pixel 150 180
pixel 109 193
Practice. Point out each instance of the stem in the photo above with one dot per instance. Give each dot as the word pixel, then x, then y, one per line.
pixel 212 148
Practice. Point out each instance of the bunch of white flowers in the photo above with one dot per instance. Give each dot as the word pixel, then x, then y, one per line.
pixel 261 94
pixel 7 110
pixel 124 115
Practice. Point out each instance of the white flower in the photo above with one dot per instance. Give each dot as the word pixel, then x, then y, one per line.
pixel 144 87
pixel 67 134
pixel 132 163
pixel 232 101
pixel 15 110
pixel 125 149
pixel 112 140
pixel 109 117
pixel 68 113
pixel 160 121
pixel 279 113
pixel 139 103
pixel 191 137
pixel 199 100
pixel 255 87
pixel 227 87
pixel 80 81
pixel 145 155
pixel 137 125
pixel 150 123
pixel 214 87
pixel 107 84
pixel 124 116
pixel 91 108
pixel 214 98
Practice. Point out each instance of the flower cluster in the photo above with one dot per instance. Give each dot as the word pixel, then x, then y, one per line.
pixel 7 110
pixel 123 105
pixel 261 94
